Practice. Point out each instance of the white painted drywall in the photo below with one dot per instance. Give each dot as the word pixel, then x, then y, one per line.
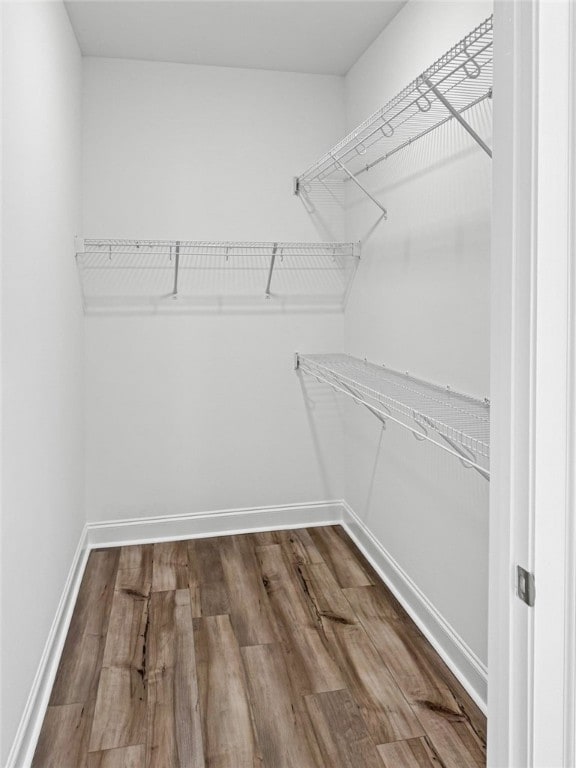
pixel 420 303
pixel 200 411
pixel 42 337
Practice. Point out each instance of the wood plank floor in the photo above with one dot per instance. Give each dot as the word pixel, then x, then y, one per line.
pixel 268 650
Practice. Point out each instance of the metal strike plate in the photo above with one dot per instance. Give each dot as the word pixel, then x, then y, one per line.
pixel 525 585
pixel 295 185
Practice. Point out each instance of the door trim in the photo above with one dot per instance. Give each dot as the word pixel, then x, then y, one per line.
pixel 532 651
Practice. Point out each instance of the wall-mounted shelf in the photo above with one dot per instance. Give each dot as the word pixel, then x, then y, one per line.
pixel 456 423
pixel 458 81
pixel 159 272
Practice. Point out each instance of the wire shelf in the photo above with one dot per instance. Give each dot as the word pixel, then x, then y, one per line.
pixel 462 77
pixel 135 272
pixel 427 410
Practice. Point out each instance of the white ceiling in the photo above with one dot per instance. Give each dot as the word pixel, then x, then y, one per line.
pixel 323 37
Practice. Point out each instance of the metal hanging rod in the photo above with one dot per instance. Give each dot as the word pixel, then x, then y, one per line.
pixel 454 84
pixel 457 423
pixel 188 270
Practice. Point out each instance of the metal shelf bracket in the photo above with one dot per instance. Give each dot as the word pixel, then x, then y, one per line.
pixel 457 116
pixel 176 271
pixel 353 178
pixel 271 270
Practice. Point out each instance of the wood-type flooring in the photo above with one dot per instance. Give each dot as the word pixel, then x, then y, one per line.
pixel 267 650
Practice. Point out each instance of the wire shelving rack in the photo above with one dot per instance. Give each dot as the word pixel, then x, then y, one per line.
pixel 119 272
pixel 457 423
pixel 447 90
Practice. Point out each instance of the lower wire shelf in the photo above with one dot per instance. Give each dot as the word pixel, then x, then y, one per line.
pixel 457 423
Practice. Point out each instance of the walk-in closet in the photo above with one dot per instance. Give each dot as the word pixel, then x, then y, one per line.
pixel 273 272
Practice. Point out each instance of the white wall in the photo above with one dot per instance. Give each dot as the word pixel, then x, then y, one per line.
pixel 198 152
pixel 420 303
pixel 201 411
pixel 42 337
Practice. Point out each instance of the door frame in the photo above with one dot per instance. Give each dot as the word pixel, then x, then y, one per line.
pixel 532 651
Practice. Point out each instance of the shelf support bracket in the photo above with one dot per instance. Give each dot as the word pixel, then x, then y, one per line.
pixel 358 399
pixel 176 271
pixel 457 116
pixel 271 270
pixel 358 184
pixel 468 463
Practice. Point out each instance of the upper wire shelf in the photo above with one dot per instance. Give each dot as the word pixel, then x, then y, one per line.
pixel 457 423
pixel 155 272
pixel 455 83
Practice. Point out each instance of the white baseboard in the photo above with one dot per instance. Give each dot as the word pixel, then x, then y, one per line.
pixel 462 661
pixel 24 744
pixel 223 522
pixel 457 655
